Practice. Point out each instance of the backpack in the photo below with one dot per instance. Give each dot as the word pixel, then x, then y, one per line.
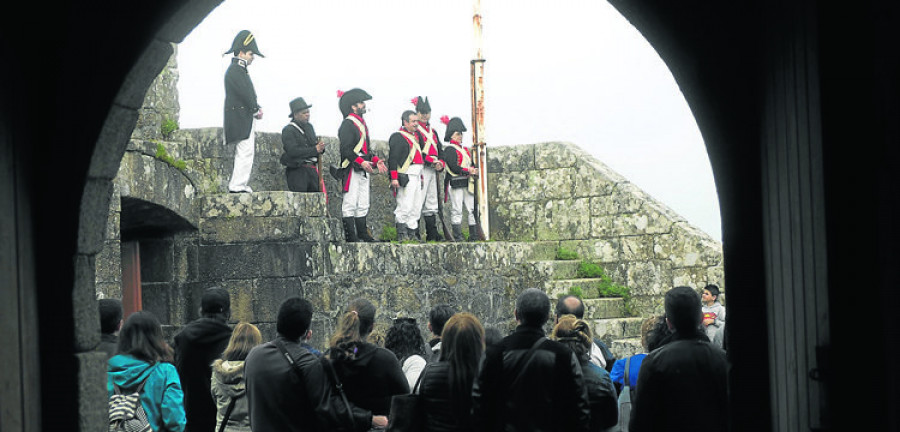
pixel 625 399
pixel 126 413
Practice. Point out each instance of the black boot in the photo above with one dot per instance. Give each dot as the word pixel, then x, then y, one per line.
pixel 473 233
pixel 402 235
pixel 362 231
pixel 457 233
pixel 349 230
pixel 431 231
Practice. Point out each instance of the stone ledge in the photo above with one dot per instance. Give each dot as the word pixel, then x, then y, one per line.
pixel 617 328
pixel 263 204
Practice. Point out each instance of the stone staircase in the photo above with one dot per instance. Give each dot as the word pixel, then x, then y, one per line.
pixel 610 323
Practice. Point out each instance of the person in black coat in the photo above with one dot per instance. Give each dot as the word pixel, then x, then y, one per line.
pixel 576 334
pixel 240 109
pixel 529 383
pixel 683 384
pixel 197 345
pixel 278 399
pixel 302 149
pixel 446 386
pixel 371 375
pixel 110 323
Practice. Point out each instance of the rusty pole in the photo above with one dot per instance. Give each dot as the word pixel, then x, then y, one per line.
pixel 478 141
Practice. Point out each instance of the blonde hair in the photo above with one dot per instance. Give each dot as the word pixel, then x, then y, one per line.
pixel 244 337
pixel 646 328
pixel 574 333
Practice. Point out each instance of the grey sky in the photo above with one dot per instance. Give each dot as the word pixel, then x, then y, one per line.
pixel 576 72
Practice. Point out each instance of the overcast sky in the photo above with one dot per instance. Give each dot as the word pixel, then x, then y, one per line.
pixel 575 72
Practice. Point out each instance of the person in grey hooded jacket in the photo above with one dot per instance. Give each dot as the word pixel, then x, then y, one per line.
pixel 227 381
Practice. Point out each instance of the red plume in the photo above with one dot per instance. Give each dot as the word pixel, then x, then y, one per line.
pixel 340 93
pixel 415 101
pixel 445 120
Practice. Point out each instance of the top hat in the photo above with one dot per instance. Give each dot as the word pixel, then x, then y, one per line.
pixel 453 125
pixel 298 104
pixel 422 105
pixel 352 97
pixel 244 41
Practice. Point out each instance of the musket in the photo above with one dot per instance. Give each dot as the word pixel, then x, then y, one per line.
pixel 478 231
pixel 448 236
pixel 321 178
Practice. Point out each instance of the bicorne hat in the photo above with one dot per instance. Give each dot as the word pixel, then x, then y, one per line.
pixel 422 105
pixel 453 125
pixel 244 41
pixel 351 97
pixel 298 104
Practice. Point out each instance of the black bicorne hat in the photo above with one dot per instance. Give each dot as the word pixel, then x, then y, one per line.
pixel 422 105
pixel 352 97
pixel 298 104
pixel 244 41
pixel 454 125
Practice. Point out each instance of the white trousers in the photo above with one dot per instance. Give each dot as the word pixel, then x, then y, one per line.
pixel 410 198
pixel 458 198
pixel 243 163
pixel 356 199
pixel 430 198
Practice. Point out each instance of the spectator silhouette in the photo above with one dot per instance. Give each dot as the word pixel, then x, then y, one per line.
pixel 576 334
pixel 713 314
pixel 110 323
pixel 529 383
pixel 437 317
pixel 405 340
pixel 682 385
pixel 144 356
pixel 446 387
pixel 618 370
pixel 600 354
pixel 196 346
pixel 288 390
pixel 371 375
pixel 227 383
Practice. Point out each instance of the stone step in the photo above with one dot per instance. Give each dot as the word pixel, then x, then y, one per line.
pixel 558 269
pixel 622 348
pixel 543 250
pixel 555 287
pixel 617 328
pixel 604 308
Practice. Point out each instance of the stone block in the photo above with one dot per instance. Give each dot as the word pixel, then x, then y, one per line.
pixel 505 159
pixel 109 263
pixel 637 248
pixel 554 155
pixel 84 304
pixel 157 260
pixel 514 221
pixel 92 393
pixel 263 204
pixel 686 247
pixel 156 297
pixel 623 348
pixel 589 184
pixel 602 227
pixel 617 328
pixel 564 219
pixel 601 250
pixel 643 222
pixel 93 214
pixel 269 293
pixel 252 229
pixel 221 262
pixel 599 308
pixel 555 183
pixel 649 277
pixel 185 259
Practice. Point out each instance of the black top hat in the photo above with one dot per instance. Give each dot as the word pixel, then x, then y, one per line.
pixel 298 104
pixel 244 41
pixel 422 105
pixel 352 97
pixel 454 125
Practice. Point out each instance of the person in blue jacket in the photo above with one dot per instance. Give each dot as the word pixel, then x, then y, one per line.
pixel 145 355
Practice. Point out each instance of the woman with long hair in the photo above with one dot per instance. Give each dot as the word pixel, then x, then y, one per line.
pixel 371 375
pixel 227 381
pixel 405 340
pixel 145 357
pixel 576 334
pixel 446 386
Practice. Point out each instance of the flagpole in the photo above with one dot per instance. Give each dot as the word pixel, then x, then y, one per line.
pixel 478 134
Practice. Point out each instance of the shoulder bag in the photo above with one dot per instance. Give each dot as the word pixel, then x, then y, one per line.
pixel 407 413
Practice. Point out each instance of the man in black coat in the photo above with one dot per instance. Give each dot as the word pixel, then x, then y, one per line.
pixel 240 109
pixel 110 323
pixel 302 150
pixel 527 382
pixel 683 384
pixel 358 162
pixel 294 395
pixel 196 346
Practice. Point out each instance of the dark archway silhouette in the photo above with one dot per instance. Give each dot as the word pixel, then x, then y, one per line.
pixel 797 102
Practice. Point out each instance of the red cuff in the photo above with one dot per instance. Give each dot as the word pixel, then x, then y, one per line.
pixel 359 160
pixel 394 175
pixel 375 159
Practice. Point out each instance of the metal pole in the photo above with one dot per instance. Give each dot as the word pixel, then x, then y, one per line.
pixel 478 141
